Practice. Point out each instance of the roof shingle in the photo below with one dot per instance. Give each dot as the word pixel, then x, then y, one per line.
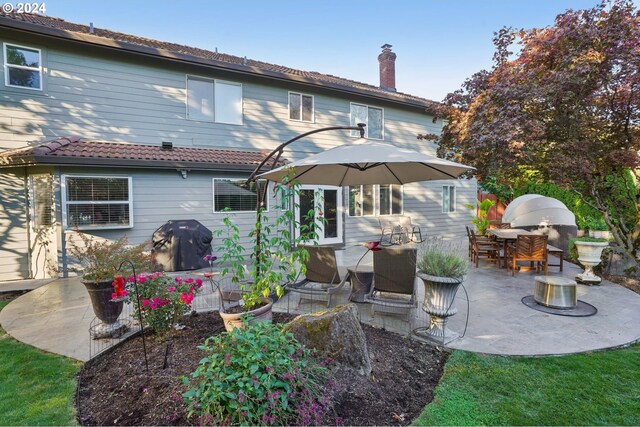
pixel 78 152
pixel 249 65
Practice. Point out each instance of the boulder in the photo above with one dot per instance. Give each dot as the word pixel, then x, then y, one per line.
pixel 335 333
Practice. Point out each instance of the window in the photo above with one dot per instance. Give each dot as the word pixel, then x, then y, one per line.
pixel 23 67
pixel 214 101
pixel 95 202
pixel 448 198
pixel 42 196
pixel 372 117
pixel 390 200
pixel 230 194
pixel 300 107
pixel 363 200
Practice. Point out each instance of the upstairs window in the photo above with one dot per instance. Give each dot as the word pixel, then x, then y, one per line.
pixel 372 117
pixel 300 107
pixel 214 101
pixel 22 67
pixel 448 198
pixel 97 202
pixel 369 200
pixel 231 195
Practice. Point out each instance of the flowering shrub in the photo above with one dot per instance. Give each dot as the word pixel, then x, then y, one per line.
pixel 163 299
pixel 259 375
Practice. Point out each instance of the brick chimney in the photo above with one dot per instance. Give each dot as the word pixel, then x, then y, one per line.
pixel 387 60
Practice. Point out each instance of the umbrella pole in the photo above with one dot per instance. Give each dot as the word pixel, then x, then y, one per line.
pixel 276 154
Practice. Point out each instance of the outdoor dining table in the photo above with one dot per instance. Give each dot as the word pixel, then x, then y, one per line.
pixel 507 235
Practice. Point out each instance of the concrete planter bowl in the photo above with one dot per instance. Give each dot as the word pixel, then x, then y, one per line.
pixel 439 294
pixel 106 310
pixel 589 255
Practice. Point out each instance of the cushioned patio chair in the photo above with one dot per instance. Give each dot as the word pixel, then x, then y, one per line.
pixel 322 280
pixel 394 274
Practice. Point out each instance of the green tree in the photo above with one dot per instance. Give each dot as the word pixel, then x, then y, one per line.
pixel 566 108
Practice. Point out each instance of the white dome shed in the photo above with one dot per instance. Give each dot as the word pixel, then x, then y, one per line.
pixel 544 215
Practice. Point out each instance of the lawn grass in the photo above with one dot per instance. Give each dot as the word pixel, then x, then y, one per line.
pixel 601 388
pixel 36 388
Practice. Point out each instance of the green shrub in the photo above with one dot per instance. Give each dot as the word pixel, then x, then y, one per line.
pixel 259 375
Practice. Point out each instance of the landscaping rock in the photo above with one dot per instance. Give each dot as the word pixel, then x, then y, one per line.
pixel 335 333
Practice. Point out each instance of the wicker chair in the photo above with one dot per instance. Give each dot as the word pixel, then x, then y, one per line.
pixel 322 279
pixel 531 248
pixel 394 273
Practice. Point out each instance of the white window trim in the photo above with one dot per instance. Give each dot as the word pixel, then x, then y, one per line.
pixel 226 178
pixel 451 202
pixel 366 129
pixel 213 84
pixel 63 189
pixel 376 201
pixel 313 107
pixel 22 67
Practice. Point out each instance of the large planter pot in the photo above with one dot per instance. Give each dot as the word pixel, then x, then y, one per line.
pixel 600 234
pixel 260 314
pixel 106 310
pixel 589 255
pixel 439 293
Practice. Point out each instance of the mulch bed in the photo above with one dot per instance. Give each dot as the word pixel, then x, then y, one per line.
pixel 115 389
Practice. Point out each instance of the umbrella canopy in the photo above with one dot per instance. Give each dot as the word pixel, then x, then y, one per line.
pixel 368 163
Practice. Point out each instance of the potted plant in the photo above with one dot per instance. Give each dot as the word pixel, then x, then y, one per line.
pixel 99 262
pixel 598 228
pixel 481 222
pixel 441 268
pixel 589 254
pixel 276 258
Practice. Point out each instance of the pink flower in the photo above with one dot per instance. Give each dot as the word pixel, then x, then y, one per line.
pixel 373 246
pixel 171 288
pixel 153 306
pixel 186 297
pixel 145 302
pixel 199 283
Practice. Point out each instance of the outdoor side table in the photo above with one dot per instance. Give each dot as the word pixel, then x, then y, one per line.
pixel 361 278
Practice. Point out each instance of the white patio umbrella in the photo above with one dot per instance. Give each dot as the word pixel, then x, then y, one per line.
pixel 368 163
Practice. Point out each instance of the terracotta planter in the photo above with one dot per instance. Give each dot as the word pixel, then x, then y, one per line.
pixel 439 293
pixel 260 314
pixel 105 310
pixel 589 255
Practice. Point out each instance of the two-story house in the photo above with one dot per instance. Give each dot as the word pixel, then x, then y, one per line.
pixel 115 134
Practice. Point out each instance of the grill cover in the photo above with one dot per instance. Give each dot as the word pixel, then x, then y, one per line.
pixel 180 245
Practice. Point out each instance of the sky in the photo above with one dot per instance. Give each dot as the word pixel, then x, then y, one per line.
pixel 439 43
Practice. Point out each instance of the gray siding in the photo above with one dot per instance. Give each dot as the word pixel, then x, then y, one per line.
pixel 112 97
pixel 14 237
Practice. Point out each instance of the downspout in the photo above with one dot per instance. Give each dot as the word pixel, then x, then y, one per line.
pixel 27 204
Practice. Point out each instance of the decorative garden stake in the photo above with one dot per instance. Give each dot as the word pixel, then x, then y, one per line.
pixel 123 297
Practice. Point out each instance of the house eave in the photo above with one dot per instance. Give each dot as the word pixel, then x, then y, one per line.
pixel 191 59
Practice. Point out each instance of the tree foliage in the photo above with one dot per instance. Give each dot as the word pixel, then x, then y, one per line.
pixel 566 106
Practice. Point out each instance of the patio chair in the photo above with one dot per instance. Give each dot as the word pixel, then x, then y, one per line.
pixel 531 248
pixel 322 279
pixel 484 247
pixel 394 273
pixel 397 230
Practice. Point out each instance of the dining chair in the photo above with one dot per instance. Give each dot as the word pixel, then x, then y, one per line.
pixel 528 248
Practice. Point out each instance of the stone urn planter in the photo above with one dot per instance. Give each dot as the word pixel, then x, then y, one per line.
pixel 589 255
pixel 233 316
pixel 439 293
pixel 106 310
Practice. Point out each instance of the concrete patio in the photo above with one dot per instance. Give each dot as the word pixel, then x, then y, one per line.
pixel 56 317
